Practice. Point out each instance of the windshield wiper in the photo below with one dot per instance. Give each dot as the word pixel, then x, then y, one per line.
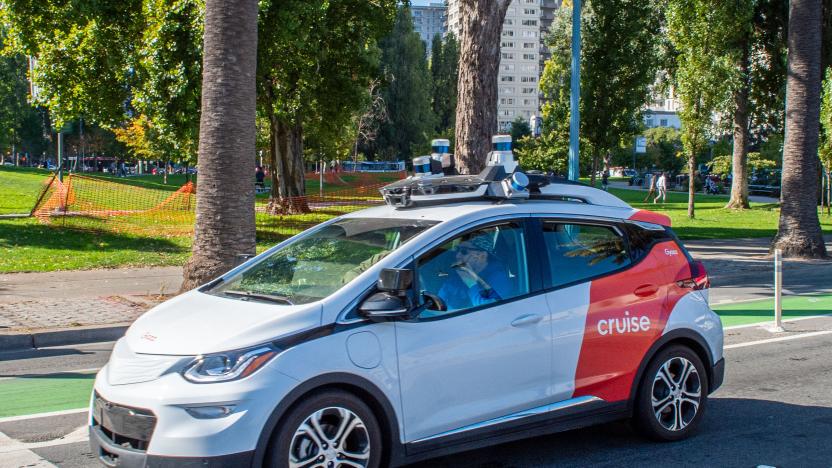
pixel 259 296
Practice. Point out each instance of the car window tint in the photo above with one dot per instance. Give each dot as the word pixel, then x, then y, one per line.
pixel 480 267
pixel 580 251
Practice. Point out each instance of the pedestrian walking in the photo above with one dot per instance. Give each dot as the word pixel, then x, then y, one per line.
pixel 651 185
pixel 661 187
pixel 605 180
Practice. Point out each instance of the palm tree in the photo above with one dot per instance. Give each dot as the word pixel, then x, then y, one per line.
pixel 479 59
pixel 225 191
pixel 799 233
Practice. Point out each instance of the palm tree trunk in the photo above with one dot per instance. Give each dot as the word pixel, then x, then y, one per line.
pixel 799 233
pixel 225 226
pixel 479 59
pixel 739 170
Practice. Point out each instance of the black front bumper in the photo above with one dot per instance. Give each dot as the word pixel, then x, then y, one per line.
pixel 717 375
pixel 112 455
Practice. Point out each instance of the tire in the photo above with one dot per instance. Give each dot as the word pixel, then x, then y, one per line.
pixel 296 442
pixel 678 391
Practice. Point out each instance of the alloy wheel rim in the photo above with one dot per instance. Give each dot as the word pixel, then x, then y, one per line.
pixel 331 437
pixel 676 394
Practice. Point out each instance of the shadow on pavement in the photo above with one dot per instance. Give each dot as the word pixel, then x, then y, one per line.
pixel 736 432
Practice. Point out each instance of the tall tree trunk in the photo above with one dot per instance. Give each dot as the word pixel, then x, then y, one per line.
pixel 739 169
pixel 479 61
pixel 691 184
pixel 288 191
pixel 225 225
pixel 799 233
pixel 593 169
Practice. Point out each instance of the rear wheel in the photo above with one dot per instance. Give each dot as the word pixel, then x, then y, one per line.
pixel 672 395
pixel 332 429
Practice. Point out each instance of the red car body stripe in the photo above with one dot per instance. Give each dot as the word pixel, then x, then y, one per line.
pixel 627 313
pixel 651 217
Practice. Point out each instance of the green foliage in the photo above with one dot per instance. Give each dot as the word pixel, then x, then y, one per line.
pixel 704 34
pixel 825 147
pixel 614 85
pixel 545 153
pixel 108 60
pixel 723 164
pixel 664 146
pixel 21 125
pixel 407 92
pixel 444 67
pixel 768 67
pixel 520 128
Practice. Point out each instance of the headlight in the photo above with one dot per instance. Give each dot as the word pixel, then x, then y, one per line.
pixel 231 365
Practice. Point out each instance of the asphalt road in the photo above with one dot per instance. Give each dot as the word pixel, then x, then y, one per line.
pixel 774 409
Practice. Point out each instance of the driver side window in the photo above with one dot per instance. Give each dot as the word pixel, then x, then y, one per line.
pixel 479 267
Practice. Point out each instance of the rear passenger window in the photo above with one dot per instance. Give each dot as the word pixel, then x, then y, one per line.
pixel 580 251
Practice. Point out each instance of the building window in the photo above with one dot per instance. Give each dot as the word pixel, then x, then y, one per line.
pixel 507 113
pixel 529 45
pixel 663 123
pixel 508 22
pixel 508 33
pixel 529 33
pixel 528 79
pixel 508 55
pixel 648 123
pixel 528 102
pixel 530 11
pixel 529 22
pixel 506 101
pixel 509 67
pixel 508 44
pixel 507 78
pixel 529 56
pixel 529 90
pixel 507 90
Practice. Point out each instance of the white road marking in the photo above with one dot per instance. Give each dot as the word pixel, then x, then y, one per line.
pixel 43 415
pixel 775 340
pixel 15 455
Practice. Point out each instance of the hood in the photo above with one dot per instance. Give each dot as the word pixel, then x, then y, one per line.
pixel 198 323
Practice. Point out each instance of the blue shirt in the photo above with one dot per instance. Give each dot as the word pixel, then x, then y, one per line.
pixel 458 295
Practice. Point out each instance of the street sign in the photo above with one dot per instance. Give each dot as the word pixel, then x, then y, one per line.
pixel 641 145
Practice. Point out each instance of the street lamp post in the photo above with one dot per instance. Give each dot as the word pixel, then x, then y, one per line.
pixel 575 92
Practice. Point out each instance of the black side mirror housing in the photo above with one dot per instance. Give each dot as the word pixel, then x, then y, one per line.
pixel 384 306
pixel 393 301
pixel 395 280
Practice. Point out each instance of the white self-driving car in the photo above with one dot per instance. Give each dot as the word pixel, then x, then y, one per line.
pixel 466 311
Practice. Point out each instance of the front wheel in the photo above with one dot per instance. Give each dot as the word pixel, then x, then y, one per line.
pixel 332 429
pixel 672 395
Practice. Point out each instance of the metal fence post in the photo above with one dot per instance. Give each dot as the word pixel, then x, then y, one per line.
pixel 778 290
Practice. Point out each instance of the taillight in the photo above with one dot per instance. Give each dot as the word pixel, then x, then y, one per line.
pixel 699 278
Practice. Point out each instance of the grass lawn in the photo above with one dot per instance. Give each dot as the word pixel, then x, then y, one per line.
pixel 745 313
pixel 20 187
pixel 712 221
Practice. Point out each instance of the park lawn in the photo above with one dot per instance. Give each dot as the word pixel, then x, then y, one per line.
pixel 20 188
pixel 712 221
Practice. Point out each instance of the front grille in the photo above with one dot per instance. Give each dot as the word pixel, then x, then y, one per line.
pixel 124 426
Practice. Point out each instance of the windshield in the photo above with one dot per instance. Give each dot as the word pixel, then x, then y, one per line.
pixel 317 265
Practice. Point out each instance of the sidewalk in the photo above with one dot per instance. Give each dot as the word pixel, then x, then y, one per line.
pixel 70 307
pixel 64 307
pixel 753 198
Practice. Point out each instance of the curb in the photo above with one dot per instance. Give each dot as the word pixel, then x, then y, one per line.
pixel 61 337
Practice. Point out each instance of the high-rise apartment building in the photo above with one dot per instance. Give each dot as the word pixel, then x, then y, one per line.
pixel 428 21
pixel 521 63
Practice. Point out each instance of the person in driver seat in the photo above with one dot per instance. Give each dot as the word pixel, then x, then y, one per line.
pixel 478 277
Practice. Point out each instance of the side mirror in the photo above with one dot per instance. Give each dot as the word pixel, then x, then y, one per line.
pixel 395 280
pixel 384 306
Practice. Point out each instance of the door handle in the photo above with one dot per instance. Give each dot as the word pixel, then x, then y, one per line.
pixel 646 290
pixel 526 320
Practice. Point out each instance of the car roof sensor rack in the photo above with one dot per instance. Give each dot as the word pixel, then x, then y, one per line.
pixel 501 180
